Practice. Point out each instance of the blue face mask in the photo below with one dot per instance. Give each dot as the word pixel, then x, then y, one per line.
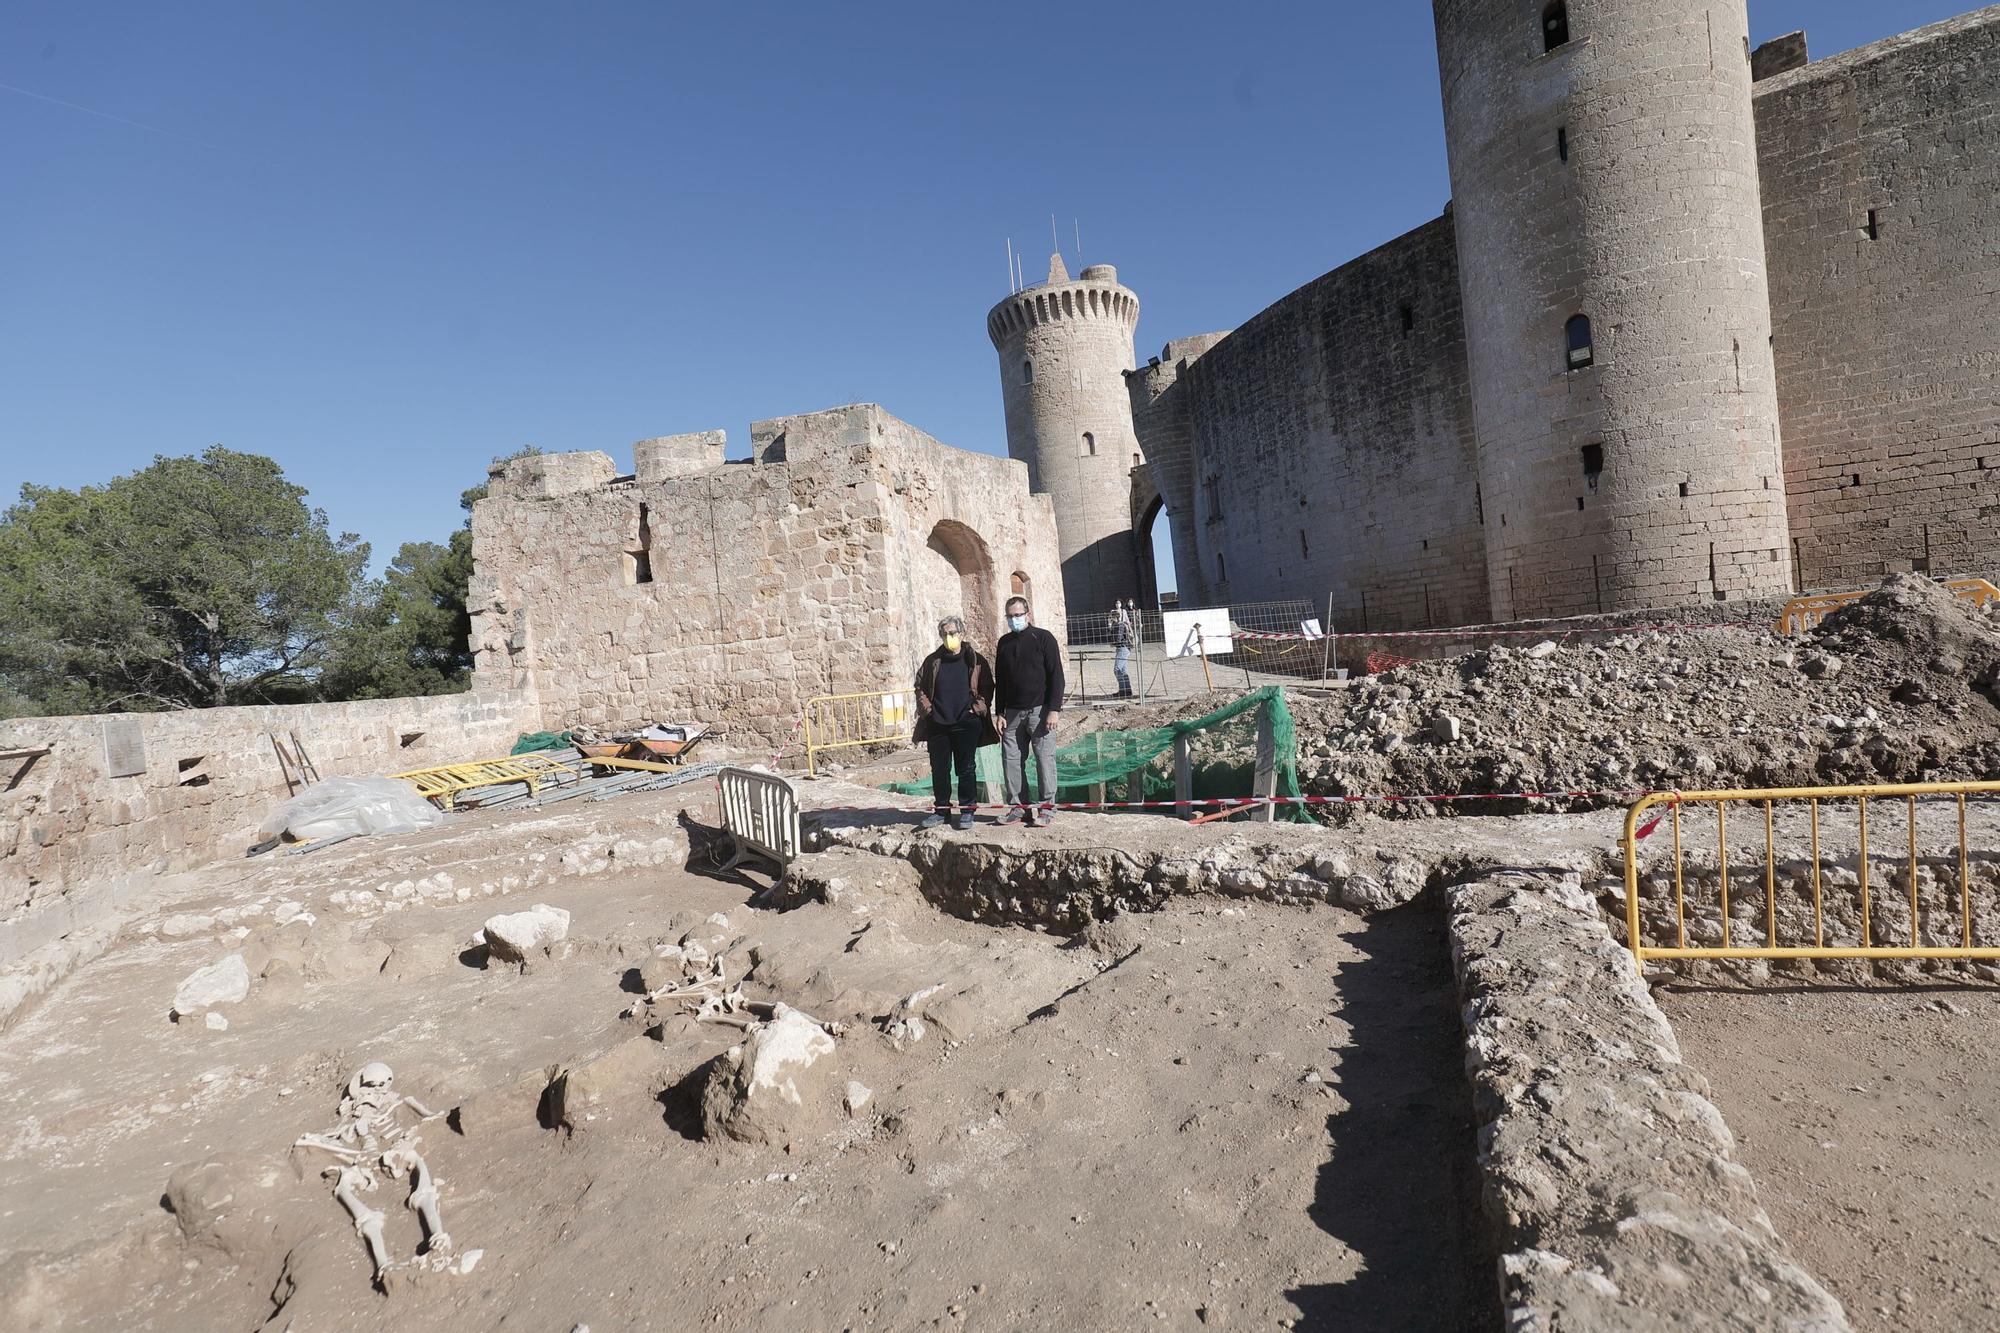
pixel 1017 623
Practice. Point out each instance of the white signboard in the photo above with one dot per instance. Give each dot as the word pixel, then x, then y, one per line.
pixel 1214 632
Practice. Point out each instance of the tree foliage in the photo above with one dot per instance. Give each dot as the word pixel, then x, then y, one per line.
pixel 194 582
pixel 204 581
pixel 410 633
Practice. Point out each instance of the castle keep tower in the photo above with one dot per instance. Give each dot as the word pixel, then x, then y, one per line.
pixel 1064 349
pixel 1611 254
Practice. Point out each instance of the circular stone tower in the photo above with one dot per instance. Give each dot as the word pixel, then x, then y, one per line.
pixel 1065 347
pixel 1618 325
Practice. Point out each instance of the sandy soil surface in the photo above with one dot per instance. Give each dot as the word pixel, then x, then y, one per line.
pixel 1222 1114
pixel 1868 1119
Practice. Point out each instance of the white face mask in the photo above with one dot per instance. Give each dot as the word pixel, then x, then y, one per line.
pixel 1017 623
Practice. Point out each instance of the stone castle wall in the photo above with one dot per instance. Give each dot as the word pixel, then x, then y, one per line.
pixel 729 594
pixel 1883 348
pixel 1162 413
pixel 1332 447
pixel 1888 336
pixel 127 793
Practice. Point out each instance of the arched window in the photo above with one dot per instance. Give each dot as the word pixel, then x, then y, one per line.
pixel 1555 26
pixel 1089 445
pixel 1581 351
pixel 1027 372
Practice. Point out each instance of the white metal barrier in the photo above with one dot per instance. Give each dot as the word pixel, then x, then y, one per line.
pixel 760 812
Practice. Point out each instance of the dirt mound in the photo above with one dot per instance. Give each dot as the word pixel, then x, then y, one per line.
pixel 1916 628
pixel 1895 687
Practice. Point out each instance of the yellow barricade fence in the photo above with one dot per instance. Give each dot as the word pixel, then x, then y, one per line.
pixel 443 783
pixel 1802 613
pixel 1848 906
pixel 446 782
pixel 838 721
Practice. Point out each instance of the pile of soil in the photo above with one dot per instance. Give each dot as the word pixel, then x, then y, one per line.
pixel 1896 687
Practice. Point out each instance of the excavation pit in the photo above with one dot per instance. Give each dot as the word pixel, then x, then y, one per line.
pixel 1224 1110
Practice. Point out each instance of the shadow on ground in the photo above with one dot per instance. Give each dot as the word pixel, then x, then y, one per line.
pixel 1401 1188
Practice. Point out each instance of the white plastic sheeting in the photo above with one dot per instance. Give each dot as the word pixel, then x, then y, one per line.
pixel 346 807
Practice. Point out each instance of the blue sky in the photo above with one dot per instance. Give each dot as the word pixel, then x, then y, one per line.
pixel 383 242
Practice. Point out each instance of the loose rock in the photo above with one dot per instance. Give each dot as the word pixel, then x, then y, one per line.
pixel 776 1085
pixel 226 981
pixel 516 935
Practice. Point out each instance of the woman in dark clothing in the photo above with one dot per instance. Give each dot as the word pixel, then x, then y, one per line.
pixel 955 716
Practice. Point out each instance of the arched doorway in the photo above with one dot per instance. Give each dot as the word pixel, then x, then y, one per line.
pixel 958 580
pixel 1154 536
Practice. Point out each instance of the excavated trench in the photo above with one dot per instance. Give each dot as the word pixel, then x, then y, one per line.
pixel 1124 864
pixel 1400 1185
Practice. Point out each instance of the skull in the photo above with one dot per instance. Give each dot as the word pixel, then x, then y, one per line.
pixel 370 1102
pixel 374 1074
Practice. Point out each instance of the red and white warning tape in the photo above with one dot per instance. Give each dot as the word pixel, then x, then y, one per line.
pixel 1251 802
pixel 786 748
pixel 1506 633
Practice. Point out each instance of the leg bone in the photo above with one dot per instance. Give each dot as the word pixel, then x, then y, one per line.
pixel 423 1200
pixel 367 1221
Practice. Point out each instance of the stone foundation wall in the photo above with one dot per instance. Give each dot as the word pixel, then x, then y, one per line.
pixel 1609 1176
pixel 128 793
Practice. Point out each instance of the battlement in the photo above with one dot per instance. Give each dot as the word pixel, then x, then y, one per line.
pixel 833 441
pixel 1097 295
pixel 678 455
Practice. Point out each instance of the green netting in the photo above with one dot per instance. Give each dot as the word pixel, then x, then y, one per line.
pixel 1222 746
pixel 532 741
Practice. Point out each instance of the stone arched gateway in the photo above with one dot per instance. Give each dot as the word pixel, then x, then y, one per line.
pixel 959 580
pixel 1147 504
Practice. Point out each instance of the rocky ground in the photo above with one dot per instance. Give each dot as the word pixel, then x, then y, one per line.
pixel 1217 1114
pixel 1897 687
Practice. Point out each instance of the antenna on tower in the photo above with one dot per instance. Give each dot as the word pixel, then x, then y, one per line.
pixel 1079 239
pixel 1019 281
pixel 1054 244
pixel 1011 288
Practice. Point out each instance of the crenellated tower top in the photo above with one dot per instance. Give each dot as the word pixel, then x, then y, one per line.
pixel 1065 346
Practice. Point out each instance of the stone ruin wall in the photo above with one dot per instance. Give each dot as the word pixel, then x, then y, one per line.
pixel 821 570
pixel 1888 345
pixel 205 779
pixel 1887 356
pixel 820 566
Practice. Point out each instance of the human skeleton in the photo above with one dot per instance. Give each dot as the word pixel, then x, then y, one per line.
pixel 704 992
pixel 369 1139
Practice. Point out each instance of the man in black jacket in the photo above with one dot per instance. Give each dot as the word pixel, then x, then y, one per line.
pixel 1028 670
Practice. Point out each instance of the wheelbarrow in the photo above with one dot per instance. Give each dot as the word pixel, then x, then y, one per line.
pixel 665 751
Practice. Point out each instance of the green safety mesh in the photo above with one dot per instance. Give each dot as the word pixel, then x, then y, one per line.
pixel 1222 746
pixel 532 741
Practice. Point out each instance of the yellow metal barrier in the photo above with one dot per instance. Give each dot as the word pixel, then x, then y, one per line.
pixel 1764 802
pixel 444 784
pixel 1802 613
pixel 838 721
